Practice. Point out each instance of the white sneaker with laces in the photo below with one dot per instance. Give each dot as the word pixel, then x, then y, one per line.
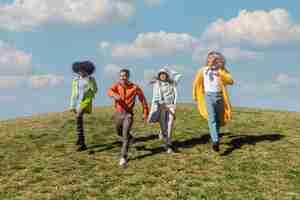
pixel 123 162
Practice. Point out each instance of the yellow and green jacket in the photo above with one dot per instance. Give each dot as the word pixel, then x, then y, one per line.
pixel 90 91
pixel 199 93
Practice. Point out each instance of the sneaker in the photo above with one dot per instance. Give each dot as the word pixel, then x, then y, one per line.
pixel 216 147
pixel 123 162
pixel 161 136
pixel 82 147
pixel 170 150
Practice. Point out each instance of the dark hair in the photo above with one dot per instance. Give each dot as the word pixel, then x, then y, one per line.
pixel 85 66
pixel 168 77
pixel 125 71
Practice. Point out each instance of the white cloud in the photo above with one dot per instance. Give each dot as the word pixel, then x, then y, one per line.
pixel 48 80
pixel 12 82
pixel 14 61
pixel 104 45
pixel 149 74
pixel 158 44
pixel 153 44
pixel 259 28
pixel 8 99
pixel 33 81
pixel 16 69
pixel 237 54
pixel 26 15
pixel 233 54
pixel 287 80
pixel 112 70
pixel 152 3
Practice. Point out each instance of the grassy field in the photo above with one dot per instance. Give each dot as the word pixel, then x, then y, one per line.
pixel 259 159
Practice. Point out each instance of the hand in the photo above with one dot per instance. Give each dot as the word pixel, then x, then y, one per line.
pixel 116 97
pixel 163 106
pixel 174 116
pixel 73 110
pixel 145 118
pixel 216 73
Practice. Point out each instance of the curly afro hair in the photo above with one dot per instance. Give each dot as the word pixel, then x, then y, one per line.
pixel 85 66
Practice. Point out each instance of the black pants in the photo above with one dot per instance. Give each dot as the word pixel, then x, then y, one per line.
pixel 80 128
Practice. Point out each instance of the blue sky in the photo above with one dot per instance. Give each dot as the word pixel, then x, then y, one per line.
pixel 39 40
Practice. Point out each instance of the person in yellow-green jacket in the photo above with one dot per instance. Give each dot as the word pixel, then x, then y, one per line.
pixel 209 91
pixel 84 88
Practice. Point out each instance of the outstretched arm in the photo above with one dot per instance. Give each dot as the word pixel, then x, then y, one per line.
pixel 176 76
pixel 143 101
pixel 113 92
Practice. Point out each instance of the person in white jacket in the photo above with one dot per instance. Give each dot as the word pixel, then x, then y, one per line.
pixel 164 103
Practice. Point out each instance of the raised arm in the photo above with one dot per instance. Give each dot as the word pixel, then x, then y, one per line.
pixel 226 77
pixel 176 76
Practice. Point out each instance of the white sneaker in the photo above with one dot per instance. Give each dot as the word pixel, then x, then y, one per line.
pixel 170 150
pixel 123 162
pixel 160 135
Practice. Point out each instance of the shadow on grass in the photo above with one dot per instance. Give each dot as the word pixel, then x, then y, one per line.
pixel 239 140
pixel 190 143
pixel 104 147
pixel 109 146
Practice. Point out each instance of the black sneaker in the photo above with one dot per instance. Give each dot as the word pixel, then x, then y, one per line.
pixel 132 140
pixel 82 147
pixel 216 147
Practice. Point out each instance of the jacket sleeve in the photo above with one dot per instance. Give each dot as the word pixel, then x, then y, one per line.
pixel 94 86
pixel 113 90
pixel 226 77
pixel 198 78
pixel 73 100
pixel 176 76
pixel 156 95
pixel 143 101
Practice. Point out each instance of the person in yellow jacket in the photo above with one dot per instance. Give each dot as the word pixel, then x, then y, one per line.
pixel 209 91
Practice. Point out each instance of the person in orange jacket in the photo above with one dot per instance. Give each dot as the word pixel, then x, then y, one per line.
pixel 124 93
pixel 209 91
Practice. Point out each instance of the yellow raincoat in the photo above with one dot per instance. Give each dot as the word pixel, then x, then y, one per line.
pixel 199 94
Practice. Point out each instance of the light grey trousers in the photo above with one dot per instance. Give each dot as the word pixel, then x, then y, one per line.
pixel 123 124
pixel 167 119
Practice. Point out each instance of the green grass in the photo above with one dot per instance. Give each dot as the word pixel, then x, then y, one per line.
pixel 259 159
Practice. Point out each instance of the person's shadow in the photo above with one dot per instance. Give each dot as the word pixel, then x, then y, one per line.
pixel 108 146
pixel 177 145
pixel 238 141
